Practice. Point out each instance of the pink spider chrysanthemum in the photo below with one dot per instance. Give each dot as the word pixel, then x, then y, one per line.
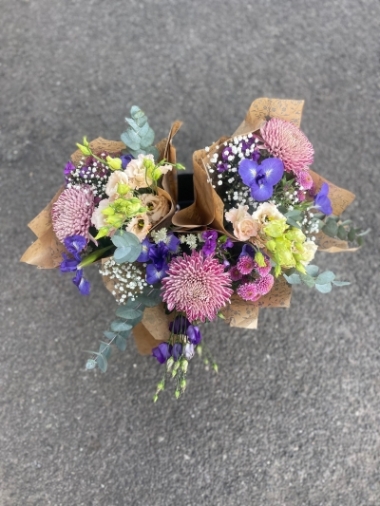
pixel 71 214
pixel 196 285
pixel 286 141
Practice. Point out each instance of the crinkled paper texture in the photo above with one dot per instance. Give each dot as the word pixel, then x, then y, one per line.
pixel 46 252
pixel 208 208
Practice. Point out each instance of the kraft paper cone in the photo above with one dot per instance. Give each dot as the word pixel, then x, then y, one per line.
pixel 208 207
pixel 46 252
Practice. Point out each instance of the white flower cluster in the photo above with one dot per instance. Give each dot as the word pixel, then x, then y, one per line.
pixel 128 279
pixel 190 239
pixel 159 235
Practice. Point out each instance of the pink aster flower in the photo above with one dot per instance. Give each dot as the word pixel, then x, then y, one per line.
pixel 265 284
pixel 196 285
pixel 71 214
pixel 286 141
pixel 263 271
pixel 248 291
pixel 304 179
pixel 234 273
pixel 246 264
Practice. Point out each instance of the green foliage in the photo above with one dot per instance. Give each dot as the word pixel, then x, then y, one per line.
pixel 128 247
pixel 129 315
pixel 322 282
pixel 139 136
pixel 343 230
pixel 294 218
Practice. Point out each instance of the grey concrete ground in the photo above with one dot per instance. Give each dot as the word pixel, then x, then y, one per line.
pixel 293 417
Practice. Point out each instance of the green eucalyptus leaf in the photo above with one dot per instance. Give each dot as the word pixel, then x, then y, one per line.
pixel 325 277
pixel 128 254
pixel 105 349
pixel 120 326
pixel 153 151
pixel 312 270
pixel 125 333
pixel 147 139
pixel 90 364
pixel 308 280
pixel 330 228
pixel 131 139
pixel 128 313
pixel 325 288
pixel 342 233
pixel 132 123
pixel 121 343
pixel 340 283
pixel 109 335
pixel 351 235
pixel 102 362
pixel 293 279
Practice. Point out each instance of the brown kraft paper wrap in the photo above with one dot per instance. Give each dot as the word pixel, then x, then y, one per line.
pixel 208 208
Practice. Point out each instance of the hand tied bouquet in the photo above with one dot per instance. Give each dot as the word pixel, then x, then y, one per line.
pixel 258 218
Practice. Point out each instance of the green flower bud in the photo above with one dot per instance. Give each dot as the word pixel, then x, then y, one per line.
pixel 123 189
pixel 160 386
pixel 169 363
pixel 182 384
pixel 85 150
pixel 114 163
pixel 177 394
pixel 260 259
pixel 184 365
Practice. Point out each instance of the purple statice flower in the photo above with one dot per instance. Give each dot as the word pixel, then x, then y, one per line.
pixel 227 244
pixel 161 352
pixel 194 334
pixel 322 201
pixel 75 245
pixel 210 237
pixel 69 168
pixel 227 154
pixel 261 178
pixel 125 159
pixel 179 325
pixel 222 166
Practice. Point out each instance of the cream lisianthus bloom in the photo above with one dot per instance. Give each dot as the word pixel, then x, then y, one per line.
pixel 244 225
pixel 139 225
pixel 158 206
pixel 267 212
pixel 308 253
pixel 138 173
pixel 98 218
pixel 118 185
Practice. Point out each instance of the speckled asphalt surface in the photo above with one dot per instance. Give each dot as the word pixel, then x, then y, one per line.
pixel 293 417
